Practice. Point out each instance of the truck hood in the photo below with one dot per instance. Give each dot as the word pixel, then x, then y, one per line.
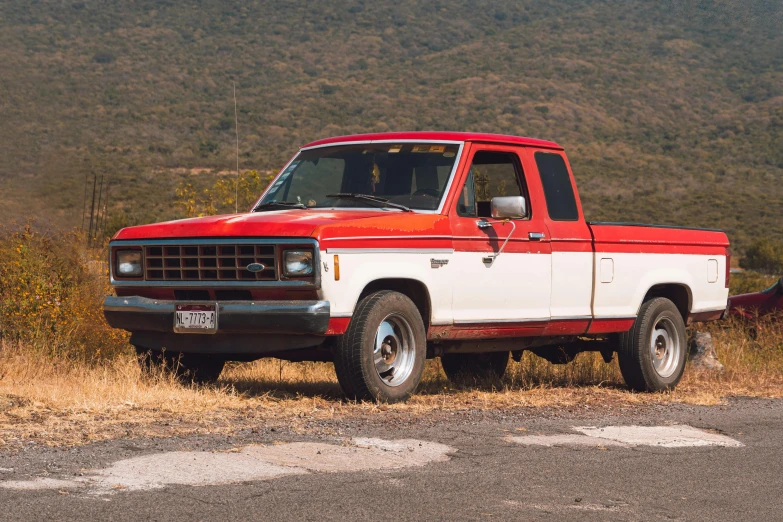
pixel 280 223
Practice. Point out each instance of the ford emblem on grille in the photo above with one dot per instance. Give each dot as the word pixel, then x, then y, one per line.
pixel 255 267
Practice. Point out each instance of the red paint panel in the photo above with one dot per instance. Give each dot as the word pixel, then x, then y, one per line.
pixel 647 248
pixel 256 294
pixel 283 223
pixel 441 136
pixel 658 240
pixel 750 306
pixel 338 325
pixel 485 331
pixel 703 317
pixel 409 242
pixel 469 238
pixel 567 327
pixel 571 245
pixel 493 244
pixel 565 236
pixel 388 230
pixel 600 326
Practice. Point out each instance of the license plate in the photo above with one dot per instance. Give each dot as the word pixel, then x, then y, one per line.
pixel 196 318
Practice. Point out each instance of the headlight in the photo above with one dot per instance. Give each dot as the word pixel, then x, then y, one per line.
pixel 129 263
pixel 298 263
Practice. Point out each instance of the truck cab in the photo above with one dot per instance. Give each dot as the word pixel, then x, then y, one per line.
pixel 379 251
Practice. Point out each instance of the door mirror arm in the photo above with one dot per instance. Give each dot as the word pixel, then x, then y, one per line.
pixel 486 224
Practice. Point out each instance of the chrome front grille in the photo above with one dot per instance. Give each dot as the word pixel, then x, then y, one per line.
pixel 210 262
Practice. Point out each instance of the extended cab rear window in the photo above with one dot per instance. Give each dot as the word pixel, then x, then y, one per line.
pixel 558 191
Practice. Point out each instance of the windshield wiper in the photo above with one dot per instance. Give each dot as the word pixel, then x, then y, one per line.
pixel 383 202
pixel 277 204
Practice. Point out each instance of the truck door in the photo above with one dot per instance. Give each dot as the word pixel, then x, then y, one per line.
pixel 570 239
pixel 492 289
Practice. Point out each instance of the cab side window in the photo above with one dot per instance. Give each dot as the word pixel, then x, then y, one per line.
pixel 491 174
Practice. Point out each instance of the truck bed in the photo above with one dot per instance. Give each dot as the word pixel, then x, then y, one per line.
pixel 630 258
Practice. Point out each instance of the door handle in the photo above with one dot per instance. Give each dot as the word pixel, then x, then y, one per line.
pixel 483 223
pixel 535 236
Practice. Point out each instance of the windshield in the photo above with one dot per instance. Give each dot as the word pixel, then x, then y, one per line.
pixel 411 174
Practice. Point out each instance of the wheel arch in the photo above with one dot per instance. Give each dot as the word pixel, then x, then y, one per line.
pixel 414 289
pixel 678 293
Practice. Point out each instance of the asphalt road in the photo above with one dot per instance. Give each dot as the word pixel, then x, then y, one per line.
pixel 474 472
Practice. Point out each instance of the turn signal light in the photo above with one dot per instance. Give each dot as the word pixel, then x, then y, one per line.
pixel 336 267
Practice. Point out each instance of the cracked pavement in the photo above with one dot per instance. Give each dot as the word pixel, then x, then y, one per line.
pixel 675 463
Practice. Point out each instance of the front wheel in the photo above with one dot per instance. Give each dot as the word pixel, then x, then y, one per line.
pixel 652 353
pixel 381 355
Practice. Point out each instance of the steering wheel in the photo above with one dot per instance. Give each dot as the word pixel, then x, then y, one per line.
pixel 431 192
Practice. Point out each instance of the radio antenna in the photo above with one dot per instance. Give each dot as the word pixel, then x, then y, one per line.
pixel 236 128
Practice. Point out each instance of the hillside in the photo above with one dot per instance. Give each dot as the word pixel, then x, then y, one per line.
pixel 671 112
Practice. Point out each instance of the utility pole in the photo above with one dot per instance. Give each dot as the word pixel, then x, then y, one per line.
pixel 98 210
pixel 84 201
pixel 105 209
pixel 92 210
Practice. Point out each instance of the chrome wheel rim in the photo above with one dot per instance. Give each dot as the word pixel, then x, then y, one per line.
pixel 665 347
pixel 394 350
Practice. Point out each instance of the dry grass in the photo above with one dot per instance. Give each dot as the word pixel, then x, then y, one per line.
pixel 55 401
pixel 67 378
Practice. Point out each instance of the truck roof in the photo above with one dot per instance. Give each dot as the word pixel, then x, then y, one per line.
pixel 438 136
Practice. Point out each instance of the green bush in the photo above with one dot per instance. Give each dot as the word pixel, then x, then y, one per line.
pixel 764 255
pixel 749 282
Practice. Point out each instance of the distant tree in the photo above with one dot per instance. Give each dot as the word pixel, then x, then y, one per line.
pixel 220 197
pixel 764 255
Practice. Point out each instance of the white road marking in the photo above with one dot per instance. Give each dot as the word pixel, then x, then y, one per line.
pixel 255 462
pixel 40 483
pixel 676 436
pixel 551 508
pixel 567 439
pixel 363 454
pixel 190 468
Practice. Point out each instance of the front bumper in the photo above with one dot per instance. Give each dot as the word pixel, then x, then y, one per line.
pixel 141 314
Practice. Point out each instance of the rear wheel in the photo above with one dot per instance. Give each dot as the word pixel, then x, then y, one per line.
pixel 474 366
pixel 381 355
pixel 187 367
pixel 652 353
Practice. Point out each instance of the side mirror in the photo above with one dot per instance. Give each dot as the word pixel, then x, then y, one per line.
pixel 509 207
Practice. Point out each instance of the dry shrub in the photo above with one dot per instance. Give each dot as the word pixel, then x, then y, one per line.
pixel 66 377
pixel 51 294
pixel 752 353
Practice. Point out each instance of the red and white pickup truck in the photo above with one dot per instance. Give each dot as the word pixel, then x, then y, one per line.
pixel 378 251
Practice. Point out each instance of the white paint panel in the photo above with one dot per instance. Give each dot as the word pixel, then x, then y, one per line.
pixel 607 270
pixel 515 287
pixel 572 284
pixel 712 270
pixel 361 267
pixel 635 274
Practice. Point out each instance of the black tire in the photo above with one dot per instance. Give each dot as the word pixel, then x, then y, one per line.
pixel 474 367
pixel 354 357
pixel 198 368
pixel 641 368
